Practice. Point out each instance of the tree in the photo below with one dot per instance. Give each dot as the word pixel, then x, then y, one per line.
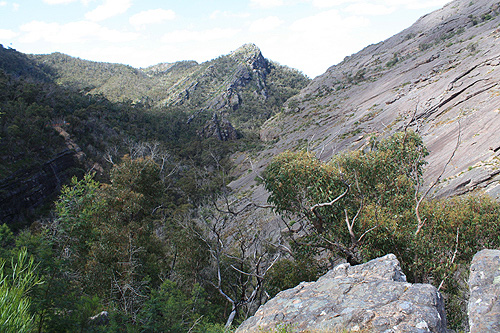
pixel 339 204
pixel 365 204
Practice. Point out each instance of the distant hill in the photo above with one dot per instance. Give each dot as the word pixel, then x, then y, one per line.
pixel 243 87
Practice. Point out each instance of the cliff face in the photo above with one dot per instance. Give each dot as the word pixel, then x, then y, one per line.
pixel 440 77
pixel 29 189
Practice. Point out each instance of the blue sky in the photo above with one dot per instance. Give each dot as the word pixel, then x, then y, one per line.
pixel 309 35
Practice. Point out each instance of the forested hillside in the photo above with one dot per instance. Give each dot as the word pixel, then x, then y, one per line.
pixel 180 197
pixel 112 196
pixel 56 103
pixel 243 87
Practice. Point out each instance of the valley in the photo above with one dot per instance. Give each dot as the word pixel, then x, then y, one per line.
pixel 182 196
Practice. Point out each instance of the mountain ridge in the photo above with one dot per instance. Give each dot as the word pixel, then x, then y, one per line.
pixel 234 86
pixel 442 82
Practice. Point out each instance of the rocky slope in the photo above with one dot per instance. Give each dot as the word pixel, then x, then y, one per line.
pixel 440 77
pixel 484 286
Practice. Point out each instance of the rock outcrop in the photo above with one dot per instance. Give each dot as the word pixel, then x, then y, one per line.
pixel 484 286
pixel 221 129
pixel 374 296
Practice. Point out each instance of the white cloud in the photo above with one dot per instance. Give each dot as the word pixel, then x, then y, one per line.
pixel 416 4
pixel 365 8
pixel 140 20
pixel 3 3
pixel 227 14
pixel 108 9
pixel 65 2
pixel 327 22
pixel 7 34
pixel 328 3
pixel 266 3
pixel 265 24
pixel 74 32
pixel 324 39
pixel 378 5
pixel 180 36
pixel 15 6
pixel 58 2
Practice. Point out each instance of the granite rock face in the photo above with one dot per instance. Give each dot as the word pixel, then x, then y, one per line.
pixel 374 296
pixel 484 286
pixel 439 77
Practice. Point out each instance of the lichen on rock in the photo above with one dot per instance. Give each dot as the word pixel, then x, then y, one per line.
pixel 374 296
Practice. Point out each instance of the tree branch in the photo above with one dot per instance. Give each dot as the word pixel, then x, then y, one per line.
pixel 319 226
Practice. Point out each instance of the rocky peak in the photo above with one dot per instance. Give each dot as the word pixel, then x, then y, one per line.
pixel 251 55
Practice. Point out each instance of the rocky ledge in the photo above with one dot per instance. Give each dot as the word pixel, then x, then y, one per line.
pixel 374 296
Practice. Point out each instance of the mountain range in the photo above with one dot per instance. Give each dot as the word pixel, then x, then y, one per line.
pixel 172 159
pixel 438 77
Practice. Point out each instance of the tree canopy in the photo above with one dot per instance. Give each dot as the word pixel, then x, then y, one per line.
pixel 366 203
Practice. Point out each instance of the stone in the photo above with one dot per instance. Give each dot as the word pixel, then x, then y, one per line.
pixel 484 285
pixel 100 319
pixel 374 296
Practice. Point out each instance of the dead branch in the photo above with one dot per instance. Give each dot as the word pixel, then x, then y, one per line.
pixel 364 233
pixel 195 323
pixel 319 226
pixel 319 205
pixel 349 227
pixel 452 259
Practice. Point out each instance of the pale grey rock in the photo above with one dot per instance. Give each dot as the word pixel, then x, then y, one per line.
pixel 373 296
pixel 484 286
pixel 446 80
pixel 100 319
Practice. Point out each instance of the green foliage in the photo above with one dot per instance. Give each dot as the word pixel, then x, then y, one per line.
pixel 395 59
pixel 381 179
pixel 15 314
pixel 170 309
pixel 289 273
pixel 376 215
pixel 111 244
pixel 118 244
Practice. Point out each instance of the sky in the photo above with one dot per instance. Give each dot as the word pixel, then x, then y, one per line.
pixel 308 35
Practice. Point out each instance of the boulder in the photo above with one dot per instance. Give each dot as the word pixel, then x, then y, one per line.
pixel 484 286
pixel 373 296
